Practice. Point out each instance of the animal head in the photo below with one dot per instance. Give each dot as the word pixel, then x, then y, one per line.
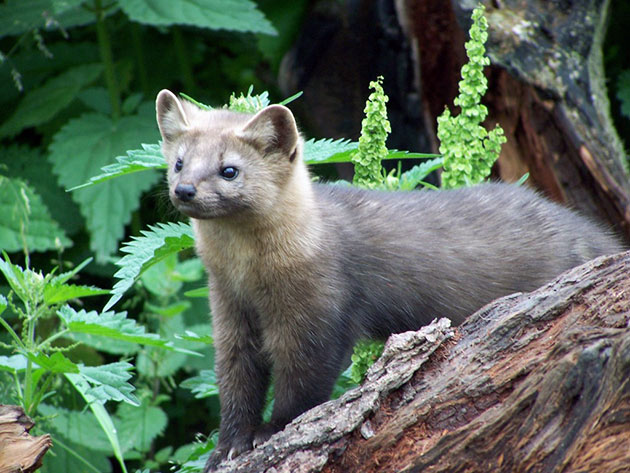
pixel 223 163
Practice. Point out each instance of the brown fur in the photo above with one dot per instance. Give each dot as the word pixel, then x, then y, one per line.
pixel 298 271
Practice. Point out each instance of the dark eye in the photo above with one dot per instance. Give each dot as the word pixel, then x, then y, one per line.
pixel 229 173
pixel 179 164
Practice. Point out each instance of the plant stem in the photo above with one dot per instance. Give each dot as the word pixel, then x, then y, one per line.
pixel 105 47
pixel 188 77
pixel 54 337
pixel 75 454
pixel 136 38
pixel 14 335
pixel 28 375
pixel 40 392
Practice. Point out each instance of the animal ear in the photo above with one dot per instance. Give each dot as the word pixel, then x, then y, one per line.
pixel 171 117
pixel 272 130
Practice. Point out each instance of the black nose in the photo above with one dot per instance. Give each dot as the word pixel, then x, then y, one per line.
pixel 185 192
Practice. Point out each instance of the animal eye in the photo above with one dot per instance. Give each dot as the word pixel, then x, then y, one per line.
pixel 179 164
pixel 229 173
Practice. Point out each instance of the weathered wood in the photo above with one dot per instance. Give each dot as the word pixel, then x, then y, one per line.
pixel 549 89
pixel 546 88
pixel 19 452
pixel 532 382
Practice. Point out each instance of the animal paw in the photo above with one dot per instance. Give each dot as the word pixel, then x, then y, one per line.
pixel 263 433
pixel 227 452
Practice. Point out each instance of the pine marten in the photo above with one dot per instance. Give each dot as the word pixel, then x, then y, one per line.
pixel 298 271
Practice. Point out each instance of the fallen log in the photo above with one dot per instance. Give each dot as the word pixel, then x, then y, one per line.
pixel 19 451
pixel 531 382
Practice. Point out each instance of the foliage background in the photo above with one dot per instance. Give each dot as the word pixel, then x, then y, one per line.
pixel 78 80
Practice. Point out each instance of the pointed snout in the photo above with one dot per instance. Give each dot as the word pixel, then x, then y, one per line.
pixel 185 192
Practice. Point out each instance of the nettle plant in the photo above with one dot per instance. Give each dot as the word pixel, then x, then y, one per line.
pixel 46 382
pixel 469 150
pixel 166 242
pixel 160 273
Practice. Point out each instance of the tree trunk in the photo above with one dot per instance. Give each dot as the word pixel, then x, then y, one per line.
pixel 531 382
pixel 547 90
pixel 19 452
pixel 546 86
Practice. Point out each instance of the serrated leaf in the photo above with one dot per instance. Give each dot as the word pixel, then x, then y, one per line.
pixel 137 160
pixel 109 382
pixel 139 426
pixel 76 426
pixel 143 252
pixel 55 363
pixel 326 150
pixel 203 385
pixel 83 387
pixel 249 103
pixel 235 15
pixel 114 325
pixel 57 293
pixel 40 105
pixel 30 165
pixel 410 179
pixel 25 216
pixel 79 150
pixel 15 276
pixel 340 151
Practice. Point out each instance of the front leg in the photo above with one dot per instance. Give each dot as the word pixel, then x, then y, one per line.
pixel 303 378
pixel 242 375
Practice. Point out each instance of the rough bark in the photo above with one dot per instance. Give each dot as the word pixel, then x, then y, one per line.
pixel 546 86
pixel 531 382
pixel 19 451
pixel 547 90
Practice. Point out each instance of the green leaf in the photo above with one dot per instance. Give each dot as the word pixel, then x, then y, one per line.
pixel 55 363
pixel 410 179
pixel 101 414
pixel 19 16
pixel 143 252
pixel 249 103
pixel 79 150
pixel 26 220
pixel 137 160
pixel 42 104
pixel 3 304
pixel 191 336
pixel 199 292
pixel 55 294
pixel 366 352
pixel 235 15
pixel 13 364
pixel 139 426
pixel 65 277
pixel 114 325
pixel 73 457
pixel 31 166
pixel 328 151
pixel 17 278
pixel 109 382
pixel 203 385
pixel 80 427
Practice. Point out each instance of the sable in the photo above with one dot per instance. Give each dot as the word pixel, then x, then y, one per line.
pixel 299 271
